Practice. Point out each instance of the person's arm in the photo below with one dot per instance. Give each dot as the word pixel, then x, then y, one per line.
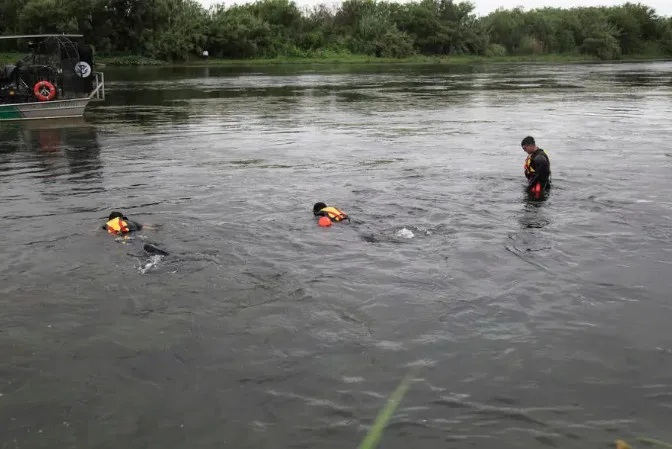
pixel 134 225
pixel 144 226
pixel 541 171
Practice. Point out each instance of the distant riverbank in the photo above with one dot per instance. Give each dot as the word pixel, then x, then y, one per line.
pixel 128 61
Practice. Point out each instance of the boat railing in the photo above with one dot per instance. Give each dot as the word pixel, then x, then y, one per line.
pixel 98 92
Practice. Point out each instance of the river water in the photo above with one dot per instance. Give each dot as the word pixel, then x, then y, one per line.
pixel 524 324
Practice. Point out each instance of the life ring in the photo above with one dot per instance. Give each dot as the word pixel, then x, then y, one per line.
pixel 44 91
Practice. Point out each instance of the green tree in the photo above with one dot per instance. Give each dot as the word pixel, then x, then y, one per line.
pixel 184 32
pixel 630 37
pixel 46 16
pixel 506 28
pixel 9 11
pixel 180 29
pixel 238 33
pixel 602 42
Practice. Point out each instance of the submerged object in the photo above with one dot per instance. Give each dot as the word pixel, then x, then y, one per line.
pixel 536 190
pixel 153 249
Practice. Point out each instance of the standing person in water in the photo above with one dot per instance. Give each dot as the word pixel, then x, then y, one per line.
pixel 537 167
pixel 331 213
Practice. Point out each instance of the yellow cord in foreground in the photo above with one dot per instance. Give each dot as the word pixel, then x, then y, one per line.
pixel 620 444
pixel 376 431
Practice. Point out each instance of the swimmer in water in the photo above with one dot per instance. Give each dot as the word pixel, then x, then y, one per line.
pixel 120 225
pixel 322 210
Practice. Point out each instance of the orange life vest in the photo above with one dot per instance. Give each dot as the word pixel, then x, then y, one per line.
pixel 527 166
pixel 117 226
pixel 333 213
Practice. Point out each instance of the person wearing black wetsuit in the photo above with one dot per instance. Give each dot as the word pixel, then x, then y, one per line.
pixel 120 225
pixel 537 166
pixel 334 214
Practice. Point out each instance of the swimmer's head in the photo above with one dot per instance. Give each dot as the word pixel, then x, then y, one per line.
pixel 318 207
pixel 115 214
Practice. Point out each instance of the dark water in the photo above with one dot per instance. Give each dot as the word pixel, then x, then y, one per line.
pixel 532 324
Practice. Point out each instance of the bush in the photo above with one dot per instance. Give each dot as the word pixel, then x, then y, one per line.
pixel 326 53
pixel 131 60
pixel 666 41
pixel 394 44
pixel 653 49
pixel 529 45
pixel 566 42
pixel 604 46
pixel 495 50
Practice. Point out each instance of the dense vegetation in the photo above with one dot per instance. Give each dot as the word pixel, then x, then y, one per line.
pixel 181 29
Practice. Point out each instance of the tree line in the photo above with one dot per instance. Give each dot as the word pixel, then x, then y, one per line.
pixel 182 29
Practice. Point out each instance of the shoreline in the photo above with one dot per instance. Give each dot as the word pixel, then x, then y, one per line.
pixel 346 59
pixel 454 60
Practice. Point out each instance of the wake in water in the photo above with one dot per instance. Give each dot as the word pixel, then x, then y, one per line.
pixel 151 263
pixel 397 235
pixel 156 256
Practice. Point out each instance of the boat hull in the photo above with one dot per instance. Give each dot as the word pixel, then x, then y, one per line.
pixel 44 110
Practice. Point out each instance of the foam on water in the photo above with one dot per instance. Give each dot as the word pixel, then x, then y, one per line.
pixel 404 233
pixel 150 264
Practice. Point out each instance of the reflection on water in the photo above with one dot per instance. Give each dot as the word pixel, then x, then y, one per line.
pixel 68 145
pixel 63 156
pixel 533 216
pixel 78 143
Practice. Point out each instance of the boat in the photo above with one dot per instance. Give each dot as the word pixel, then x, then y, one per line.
pixel 55 80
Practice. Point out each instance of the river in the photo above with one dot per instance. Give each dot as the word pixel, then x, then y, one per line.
pixel 525 323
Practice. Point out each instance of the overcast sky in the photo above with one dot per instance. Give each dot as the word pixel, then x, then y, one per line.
pixel 662 7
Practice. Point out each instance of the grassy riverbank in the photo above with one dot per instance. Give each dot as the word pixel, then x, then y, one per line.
pixel 128 61
pixel 446 60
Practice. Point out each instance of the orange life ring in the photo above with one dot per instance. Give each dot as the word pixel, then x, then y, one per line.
pixel 44 91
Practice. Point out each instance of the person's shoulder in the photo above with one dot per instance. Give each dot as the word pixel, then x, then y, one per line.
pixel 134 224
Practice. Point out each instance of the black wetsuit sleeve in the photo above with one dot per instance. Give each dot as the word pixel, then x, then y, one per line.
pixel 541 171
pixel 134 226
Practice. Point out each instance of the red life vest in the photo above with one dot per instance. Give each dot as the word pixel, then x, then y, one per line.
pixel 117 226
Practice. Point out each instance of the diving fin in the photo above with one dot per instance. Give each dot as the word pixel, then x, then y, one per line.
pixel 153 249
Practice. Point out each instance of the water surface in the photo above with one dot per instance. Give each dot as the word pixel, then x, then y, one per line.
pixel 533 323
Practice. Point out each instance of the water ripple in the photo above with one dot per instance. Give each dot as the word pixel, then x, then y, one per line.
pixel 529 323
